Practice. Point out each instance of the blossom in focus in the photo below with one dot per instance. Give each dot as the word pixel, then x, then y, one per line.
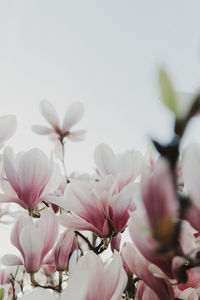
pixel 29 177
pixel 72 116
pixel 126 166
pixel 33 240
pixel 99 207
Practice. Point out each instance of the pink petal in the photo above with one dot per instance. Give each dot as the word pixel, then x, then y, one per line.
pixel 34 171
pixel 10 170
pixel 72 116
pixel 42 130
pixel 48 227
pixel 49 113
pixel 22 221
pixel 9 199
pixel 78 223
pixel 32 243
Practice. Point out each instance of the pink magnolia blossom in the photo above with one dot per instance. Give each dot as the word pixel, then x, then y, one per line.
pixel 33 240
pixel 190 290
pixel 126 166
pixel 72 116
pixel 30 176
pixel 99 207
pixel 100 282
pixel 65 246
pixel 139 266
pixel 159 198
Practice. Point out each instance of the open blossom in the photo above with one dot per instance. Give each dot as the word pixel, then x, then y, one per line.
pixel 33 240
pixel 30 176
pixel 125 166
pixel 99 207
pixel 72 116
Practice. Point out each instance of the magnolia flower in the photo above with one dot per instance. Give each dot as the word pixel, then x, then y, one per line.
pixel 99 207
pixel 139 266
pixel 72 116
pixel 126 166
pixel 65 246
pixel 33 240
pixel 159 198
pixel 31 176
pixel 190 290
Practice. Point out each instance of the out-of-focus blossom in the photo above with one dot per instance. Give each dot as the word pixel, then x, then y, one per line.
pixel 100 282
pixel 99 207
pixel 72 116
pixel 8 125
pixel 159 198
pixel 139 266
pixel 126 166
pixel 115 242
pixel 29 177
pixel 33 240
pixel 191 178
pixel 190 290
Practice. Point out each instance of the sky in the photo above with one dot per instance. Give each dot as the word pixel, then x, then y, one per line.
pixel 105 54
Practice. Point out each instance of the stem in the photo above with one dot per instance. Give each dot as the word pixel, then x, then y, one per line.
pixel 12 281
pixel 36 284
pixel 60 280
pixel 98 249
pixel 63 159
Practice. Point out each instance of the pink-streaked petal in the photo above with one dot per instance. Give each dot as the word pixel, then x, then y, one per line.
pixel 72 116
pixel 121 204
pixel 11 260
pixel 9 199
pixel 54 181
pixel 116 278
pixel 10 169
pixel 49 113
pixel 48 227
pixel 8 125
pixel 34 171
pixel 22 221
pixel 32 243
pixel 105 160
pixel 42 130
pixel 78 223
pixel 77 135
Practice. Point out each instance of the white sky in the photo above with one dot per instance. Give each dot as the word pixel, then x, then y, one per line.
pixel 103 53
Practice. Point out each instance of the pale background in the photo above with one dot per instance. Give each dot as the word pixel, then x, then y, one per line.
pixel 103 53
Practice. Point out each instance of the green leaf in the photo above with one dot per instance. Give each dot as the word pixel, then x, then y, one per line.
pixel 2 293
pixel 168 95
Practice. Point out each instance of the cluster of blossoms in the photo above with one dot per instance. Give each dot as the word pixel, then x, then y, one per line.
pixel 129 231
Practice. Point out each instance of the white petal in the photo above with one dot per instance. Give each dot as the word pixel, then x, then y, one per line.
pixel 11 260
pixel 49 113
pixel 72 116
pixel 105 160
pixel 8 125
pixel 77 135
pixel 42 130
pixel 38 294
